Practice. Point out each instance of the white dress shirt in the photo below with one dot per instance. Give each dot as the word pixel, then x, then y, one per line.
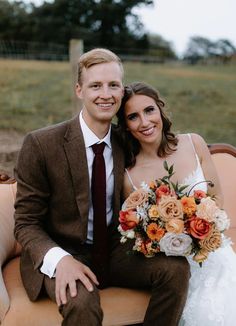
pixel 55 254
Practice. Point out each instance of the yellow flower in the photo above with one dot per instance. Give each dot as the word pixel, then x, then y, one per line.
pixel 153 212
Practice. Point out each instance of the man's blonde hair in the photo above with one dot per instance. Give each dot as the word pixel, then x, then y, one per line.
pixel 94 57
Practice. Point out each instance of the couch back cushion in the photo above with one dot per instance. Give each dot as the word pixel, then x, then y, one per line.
pixel 226 168
pixel 9 246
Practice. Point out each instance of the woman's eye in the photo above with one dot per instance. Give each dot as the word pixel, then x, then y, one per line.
pixel 149 109
pixel 132 117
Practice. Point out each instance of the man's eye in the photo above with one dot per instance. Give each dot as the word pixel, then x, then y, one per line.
pixel 114 85
pixel 95 86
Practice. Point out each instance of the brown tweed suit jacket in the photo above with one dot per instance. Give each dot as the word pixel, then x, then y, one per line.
pixel 52 200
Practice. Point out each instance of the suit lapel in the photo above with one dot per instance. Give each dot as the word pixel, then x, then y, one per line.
pixel 76 155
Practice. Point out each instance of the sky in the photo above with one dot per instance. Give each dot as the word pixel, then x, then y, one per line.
pixel 179 20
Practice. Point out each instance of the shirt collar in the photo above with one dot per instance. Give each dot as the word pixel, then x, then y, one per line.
pixel 89 136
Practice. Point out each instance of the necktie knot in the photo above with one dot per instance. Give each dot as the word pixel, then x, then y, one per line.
pixel 98 148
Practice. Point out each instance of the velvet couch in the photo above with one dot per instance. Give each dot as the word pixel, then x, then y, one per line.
pixel 121 306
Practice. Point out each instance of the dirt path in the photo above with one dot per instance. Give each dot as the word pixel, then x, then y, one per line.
pixel 10 143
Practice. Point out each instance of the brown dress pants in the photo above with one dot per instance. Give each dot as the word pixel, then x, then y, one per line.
pixel 166 277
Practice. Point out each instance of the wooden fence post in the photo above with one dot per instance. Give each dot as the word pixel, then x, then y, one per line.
pixel 75 51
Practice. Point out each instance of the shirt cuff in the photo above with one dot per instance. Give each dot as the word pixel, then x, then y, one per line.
pixel 51 259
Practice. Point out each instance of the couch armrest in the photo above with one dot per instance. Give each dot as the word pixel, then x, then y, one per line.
pixel 8 245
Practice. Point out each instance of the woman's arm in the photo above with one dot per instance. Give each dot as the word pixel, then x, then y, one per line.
pixel 208 167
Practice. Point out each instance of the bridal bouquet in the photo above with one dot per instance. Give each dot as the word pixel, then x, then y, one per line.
pixel 162 217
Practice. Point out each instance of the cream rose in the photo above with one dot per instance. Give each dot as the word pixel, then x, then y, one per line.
pixel 176 244
pixel 170 208
pixel 222 221
pixel 175 225
pixel 207 209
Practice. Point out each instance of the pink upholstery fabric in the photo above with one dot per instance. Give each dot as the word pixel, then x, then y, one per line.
pixel 120 306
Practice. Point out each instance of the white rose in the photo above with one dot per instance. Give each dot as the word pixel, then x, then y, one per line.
pixel 129 234
pixel 173 244
pixel 221 219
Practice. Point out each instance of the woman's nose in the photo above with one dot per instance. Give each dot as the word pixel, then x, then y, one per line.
pixel 143 120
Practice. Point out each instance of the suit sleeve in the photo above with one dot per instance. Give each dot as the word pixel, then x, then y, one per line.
pixel 31 206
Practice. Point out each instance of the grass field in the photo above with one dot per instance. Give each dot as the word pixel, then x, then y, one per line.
pixel 199 99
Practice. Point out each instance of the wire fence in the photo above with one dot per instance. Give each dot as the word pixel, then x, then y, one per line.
pixel 33 50
pixel 58 52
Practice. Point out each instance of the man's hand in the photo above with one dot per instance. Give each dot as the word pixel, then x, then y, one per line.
pixel 69 270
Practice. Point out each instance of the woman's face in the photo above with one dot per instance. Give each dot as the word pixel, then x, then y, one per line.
pixel 143 119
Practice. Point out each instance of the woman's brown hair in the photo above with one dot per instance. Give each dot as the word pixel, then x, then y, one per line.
pixel 130 144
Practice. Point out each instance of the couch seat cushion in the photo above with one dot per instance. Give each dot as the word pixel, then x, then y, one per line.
pixel 121 306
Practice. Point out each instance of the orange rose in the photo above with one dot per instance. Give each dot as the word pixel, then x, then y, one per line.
pixel 199 194
pixel 175 226
pixel 189 205
pixel 155 232
pixel 163 190
pixel 136 198
pixel 128 219
pixel 198 227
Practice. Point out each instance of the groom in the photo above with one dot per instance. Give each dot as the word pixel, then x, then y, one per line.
pixel 55 210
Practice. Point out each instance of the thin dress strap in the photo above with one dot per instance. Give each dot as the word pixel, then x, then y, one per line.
pixel 191 141
pixel 130 180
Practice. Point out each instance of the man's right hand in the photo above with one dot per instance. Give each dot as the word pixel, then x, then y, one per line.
pixel 68 271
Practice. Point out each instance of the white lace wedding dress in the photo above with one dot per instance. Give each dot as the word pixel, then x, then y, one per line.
pixel 211 297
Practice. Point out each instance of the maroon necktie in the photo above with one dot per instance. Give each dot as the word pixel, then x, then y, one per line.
pixel 100 233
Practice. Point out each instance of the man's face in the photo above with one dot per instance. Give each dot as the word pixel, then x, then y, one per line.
pixel 101 92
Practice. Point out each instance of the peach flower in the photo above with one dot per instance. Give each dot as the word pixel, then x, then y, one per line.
pixel 201 256
pixel 136 198
pixel 213 241
pixel 175 226
pixel 189 205
pixel 169 207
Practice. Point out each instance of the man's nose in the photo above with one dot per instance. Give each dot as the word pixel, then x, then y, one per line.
pixel 105 92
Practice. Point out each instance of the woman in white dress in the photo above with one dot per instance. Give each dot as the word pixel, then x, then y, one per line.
pixel 148 142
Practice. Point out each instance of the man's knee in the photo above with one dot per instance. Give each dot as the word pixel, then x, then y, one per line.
pixel 84 309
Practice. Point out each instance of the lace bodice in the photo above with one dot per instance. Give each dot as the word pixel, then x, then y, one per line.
pixel 195 177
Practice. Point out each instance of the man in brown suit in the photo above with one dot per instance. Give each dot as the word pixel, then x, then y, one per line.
pixel 54 212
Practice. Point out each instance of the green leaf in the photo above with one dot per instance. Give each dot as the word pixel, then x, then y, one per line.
pixel 165 164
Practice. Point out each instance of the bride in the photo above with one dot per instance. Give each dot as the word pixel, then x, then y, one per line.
pixel 148 142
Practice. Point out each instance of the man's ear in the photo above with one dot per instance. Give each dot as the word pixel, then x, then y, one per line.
pixel 78 91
